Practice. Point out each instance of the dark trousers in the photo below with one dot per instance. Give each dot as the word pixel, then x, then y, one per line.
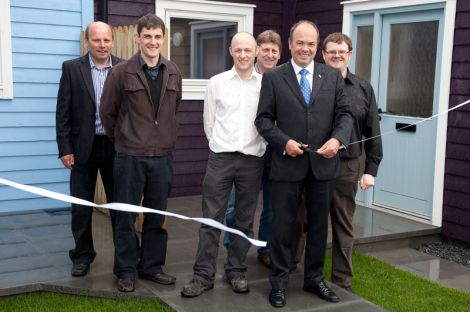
pixel 286 198
pixel 223 170
pixel 342 213
pixel 138 176
pixel 82 185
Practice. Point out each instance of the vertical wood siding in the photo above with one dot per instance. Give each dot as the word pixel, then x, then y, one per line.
pixel 456 210
pixel 44 34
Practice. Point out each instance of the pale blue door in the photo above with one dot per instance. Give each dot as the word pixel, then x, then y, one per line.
pixel 405 54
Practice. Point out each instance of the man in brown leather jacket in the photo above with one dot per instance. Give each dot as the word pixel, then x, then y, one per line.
pixel 138 110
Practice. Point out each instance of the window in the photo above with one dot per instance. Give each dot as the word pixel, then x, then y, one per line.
pixel 6 82
pixel 205 53
pixel 199 33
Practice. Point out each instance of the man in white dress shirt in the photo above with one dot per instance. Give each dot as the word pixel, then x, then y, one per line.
pixel 236 157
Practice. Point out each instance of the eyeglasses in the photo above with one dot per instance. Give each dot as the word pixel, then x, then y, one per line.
pixel 340 53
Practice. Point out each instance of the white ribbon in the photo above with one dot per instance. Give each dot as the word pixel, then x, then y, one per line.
pixel 127 208
pixel 396 130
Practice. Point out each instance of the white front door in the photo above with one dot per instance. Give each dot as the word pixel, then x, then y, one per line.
pixel 399 52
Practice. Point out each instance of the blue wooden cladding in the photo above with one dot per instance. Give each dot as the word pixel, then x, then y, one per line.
pixel 45 61
pixel 43 35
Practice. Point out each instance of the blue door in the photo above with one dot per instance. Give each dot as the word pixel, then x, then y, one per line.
pixel 399 52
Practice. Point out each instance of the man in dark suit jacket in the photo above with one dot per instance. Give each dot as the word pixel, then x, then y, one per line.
pixel 304 116
pixel 83 145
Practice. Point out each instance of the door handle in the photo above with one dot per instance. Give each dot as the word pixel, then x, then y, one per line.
pixel 380 111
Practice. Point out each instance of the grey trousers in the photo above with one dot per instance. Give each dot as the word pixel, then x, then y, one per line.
pixel 342 213
pixel 223 169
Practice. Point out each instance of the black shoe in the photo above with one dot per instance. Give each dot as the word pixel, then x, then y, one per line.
pixel 322 291
pixel 277 298
pixel 80 269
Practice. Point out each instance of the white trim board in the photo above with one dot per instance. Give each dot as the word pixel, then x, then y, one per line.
pixel 6 66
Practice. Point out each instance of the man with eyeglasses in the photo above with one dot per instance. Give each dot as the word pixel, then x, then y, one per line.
pixel 337 51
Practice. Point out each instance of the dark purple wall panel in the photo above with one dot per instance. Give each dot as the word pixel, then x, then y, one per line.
pixel 459 119
pixel 458 151
pixel 125 12
pixel 463 6
pixel 187 191
pixel 457 183
pixel 327 15
pixel 457 200
pixel 458 168
pixel 461 70
pixel 458 135
pixel 191 142
pixel 461 54
pixel 456 209
pixel 462 36
pixel 456 231
pixel 460 86
pixel 456 215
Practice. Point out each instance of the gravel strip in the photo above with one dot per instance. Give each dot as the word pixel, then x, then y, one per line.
pixel 450 250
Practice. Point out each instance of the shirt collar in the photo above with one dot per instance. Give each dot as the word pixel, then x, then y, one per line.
pixel 256 68
pixel 254 74
pixel 297 68
pixel 349 78
pixel 144 65
pixel 92 64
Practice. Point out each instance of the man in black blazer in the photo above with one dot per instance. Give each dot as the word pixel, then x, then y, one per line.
pixel 82 142
pixel 305 117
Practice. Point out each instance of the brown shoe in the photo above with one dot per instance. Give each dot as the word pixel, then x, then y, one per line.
pixel 126 284
pixel 160 278
pixel 265 259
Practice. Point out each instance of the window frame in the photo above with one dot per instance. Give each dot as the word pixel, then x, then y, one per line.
pixel 6 66
pixel 242 14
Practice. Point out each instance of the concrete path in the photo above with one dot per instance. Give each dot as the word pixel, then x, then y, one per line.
pixel 34 256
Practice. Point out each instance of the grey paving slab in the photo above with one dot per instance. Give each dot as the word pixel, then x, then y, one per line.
pixel 11 236
pixel 47 232
pixel 19 264
pixel 35 219
pixel 445 272
pixel 17 250
pixel 45 238
pixel 54 245
pixel 222 298
pixel 47 273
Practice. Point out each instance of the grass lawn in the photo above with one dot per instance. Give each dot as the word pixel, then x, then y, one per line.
pixel 374 280
pixel 397 290
pixel 45 301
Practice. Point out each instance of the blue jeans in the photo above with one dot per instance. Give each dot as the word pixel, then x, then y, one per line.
pixel 265 221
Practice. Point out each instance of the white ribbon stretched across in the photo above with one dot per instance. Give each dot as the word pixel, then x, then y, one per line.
pixel 396 130
pixel 126 207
